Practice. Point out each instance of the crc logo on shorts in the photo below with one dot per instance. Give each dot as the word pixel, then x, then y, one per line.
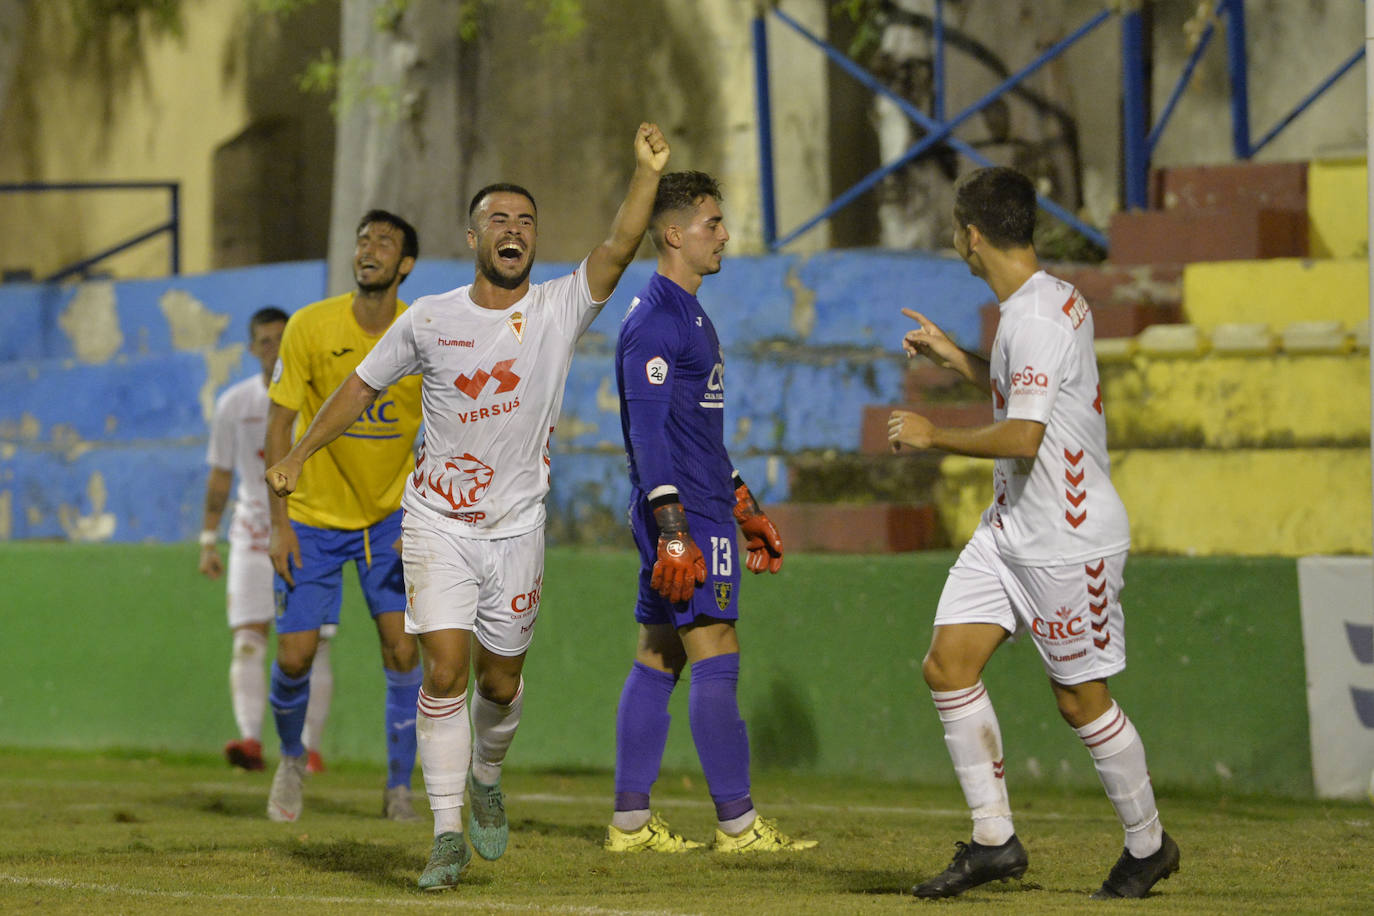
pixel 1069 627
pixel 528 601
pixel 723 590
pixel 656 370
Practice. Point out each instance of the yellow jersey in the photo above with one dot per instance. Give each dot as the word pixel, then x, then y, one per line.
pixel 356 480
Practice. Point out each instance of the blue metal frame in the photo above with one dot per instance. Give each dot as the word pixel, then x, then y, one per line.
pixel 937 131
pixel 1138 138
pixel 172 227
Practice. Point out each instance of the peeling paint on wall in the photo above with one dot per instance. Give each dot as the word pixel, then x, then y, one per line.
pixel 194 327
pixel 607 398
pixel 27 427
pixel 220 366
pixel 99 525
pixel 91 323
pixel 803 302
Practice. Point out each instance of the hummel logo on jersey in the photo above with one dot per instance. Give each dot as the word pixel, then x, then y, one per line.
pixel 341 351
pixel 472 387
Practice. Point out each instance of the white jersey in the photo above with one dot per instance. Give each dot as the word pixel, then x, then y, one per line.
pixel 491 390
pixel 1060 507
pixel 236 442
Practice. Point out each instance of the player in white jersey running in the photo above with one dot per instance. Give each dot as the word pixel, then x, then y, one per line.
pixel 494 357
pixel 1047 556
pixel 236 437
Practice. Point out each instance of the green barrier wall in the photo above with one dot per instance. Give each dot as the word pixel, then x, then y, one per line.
pixel 125 646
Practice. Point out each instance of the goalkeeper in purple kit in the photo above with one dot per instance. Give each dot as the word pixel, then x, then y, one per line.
pixel 686 499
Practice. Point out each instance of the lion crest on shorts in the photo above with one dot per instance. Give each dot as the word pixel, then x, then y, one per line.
pixel 723 590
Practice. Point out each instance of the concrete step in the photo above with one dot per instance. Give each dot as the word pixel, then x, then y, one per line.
pixel 1242 231
pixel 1271 185
pixel 873 436
pixel 856 527
pixel 1201 502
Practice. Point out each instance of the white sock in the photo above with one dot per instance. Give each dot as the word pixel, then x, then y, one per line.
pixel 630 821
pixel 321 693
pixel 1119 755
pixel 493 727
pixel 444 737
pixel 737 825
pixel 248 681
pixel 975 746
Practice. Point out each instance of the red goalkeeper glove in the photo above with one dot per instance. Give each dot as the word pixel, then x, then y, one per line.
pixel 680 567
pixel 761 539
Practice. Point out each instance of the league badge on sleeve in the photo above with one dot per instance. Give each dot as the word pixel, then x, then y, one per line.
pixel 656 370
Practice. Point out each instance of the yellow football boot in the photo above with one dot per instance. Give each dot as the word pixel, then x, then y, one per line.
pixel 655 836
pixel 760 836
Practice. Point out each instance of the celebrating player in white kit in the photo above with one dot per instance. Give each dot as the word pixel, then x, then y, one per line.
pixel 494 357
pixel 236 436
pixel 1049 553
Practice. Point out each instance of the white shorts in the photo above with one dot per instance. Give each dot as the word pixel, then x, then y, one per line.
pixel 488 587
pixel 1072 612
pixel 248 584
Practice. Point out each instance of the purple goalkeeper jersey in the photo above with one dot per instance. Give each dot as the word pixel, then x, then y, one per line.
pixel 670 373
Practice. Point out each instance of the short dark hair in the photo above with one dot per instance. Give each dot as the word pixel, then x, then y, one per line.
pixel 265 315
pixel 498 188
pixel 410 244
pixel 682 190
pixel 1000 202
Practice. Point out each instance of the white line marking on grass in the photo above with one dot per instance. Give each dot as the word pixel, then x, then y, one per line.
pixel 448 901
pixel 794 806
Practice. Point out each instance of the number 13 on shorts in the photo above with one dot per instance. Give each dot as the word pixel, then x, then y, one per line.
pixel 722 556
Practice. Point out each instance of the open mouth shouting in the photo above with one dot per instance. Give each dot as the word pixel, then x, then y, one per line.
pixel 510 253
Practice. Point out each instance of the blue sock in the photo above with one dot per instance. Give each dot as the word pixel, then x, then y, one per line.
pixel 289 696
pixel 402 693
pixel 641 732
pixel 718 731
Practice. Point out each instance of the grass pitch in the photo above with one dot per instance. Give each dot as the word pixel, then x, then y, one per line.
pixel 138 833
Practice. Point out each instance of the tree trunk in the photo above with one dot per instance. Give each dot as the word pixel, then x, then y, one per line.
pixel 397 142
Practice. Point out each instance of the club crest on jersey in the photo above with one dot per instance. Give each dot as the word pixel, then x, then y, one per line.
pixel 723 590
pixel 516 323
pixel 656 370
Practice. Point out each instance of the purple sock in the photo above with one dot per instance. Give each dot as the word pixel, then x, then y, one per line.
pixel 289 696
pixel 718 731
pixel 402 693
pixel 641 731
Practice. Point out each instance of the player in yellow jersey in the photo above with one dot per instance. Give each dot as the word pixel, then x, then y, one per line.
pixel 347 507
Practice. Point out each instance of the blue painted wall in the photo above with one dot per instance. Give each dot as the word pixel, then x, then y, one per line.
pixel 115 449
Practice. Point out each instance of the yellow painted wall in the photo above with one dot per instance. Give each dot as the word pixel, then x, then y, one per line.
pixel 1276 292
pixel 1338 208
pixel 163 123
pixel 1221 401
pixel 1241 502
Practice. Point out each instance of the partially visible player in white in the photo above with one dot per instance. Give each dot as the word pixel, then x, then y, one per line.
pixel 494 357
pixel 1049 553
pixel 235 450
